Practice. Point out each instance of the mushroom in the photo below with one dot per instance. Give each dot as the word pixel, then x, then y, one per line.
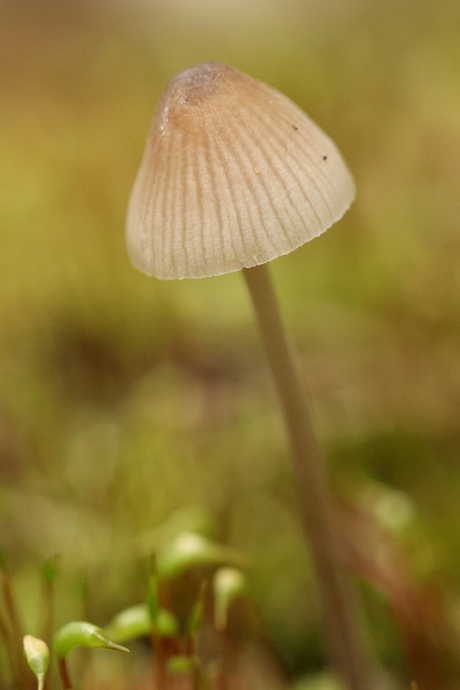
pixel 234 174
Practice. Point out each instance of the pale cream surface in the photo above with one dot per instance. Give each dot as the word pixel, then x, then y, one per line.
pixel 234 174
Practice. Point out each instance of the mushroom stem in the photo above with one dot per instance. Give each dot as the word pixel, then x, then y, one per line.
pixel 336 590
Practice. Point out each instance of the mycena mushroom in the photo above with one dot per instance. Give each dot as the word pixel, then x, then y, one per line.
pixel 234 174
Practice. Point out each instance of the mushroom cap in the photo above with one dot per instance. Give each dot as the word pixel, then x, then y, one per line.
pixel 234 174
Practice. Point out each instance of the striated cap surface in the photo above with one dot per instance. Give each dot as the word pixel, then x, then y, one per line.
pixel 234 174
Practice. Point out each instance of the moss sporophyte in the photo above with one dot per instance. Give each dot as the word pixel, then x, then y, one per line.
pixel 80 634
pixel 234 174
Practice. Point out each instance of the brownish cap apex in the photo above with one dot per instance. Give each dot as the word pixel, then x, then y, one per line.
pixel 233 175
pixel 195 84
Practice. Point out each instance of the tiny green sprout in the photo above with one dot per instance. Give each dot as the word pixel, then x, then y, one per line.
pixel 189 518
pixel 195 620
pixel 153 599
pixel 135 622
pixel 228 584
pixel 180 663
pixel 82 634
pixel 50 569
pixel 321 681
pixel 190 550
pixel 38 656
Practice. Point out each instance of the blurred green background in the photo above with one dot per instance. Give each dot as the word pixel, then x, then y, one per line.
pixel 124 398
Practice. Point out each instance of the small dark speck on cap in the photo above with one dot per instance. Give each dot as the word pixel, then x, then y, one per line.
pixel 324 158
pixel 295 127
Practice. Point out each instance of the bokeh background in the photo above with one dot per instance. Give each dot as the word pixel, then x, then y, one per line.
pixel 124 399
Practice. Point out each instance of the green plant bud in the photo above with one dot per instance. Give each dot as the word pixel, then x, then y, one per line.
pixel 190 550
pixel 179 664
pixel 153 600
pixel 50 569
pixel 195 620
pixel 187 519
pixel 228 584
pixel 135 622
pixel 82 634
pixel 321 681
pixel 167 623
pixel 38 657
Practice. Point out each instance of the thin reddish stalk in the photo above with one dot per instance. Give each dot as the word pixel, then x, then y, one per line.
pixel 64 673
pixel 159 660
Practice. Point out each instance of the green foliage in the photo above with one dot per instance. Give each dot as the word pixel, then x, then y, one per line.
pixel 82 634
pixel 190 550
pixel 153 601
pixel 135 622
pixel 179 664
pixel 322 681
pixel 195 620
pixel 50 569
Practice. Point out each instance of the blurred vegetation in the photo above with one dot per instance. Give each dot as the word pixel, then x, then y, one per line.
pixel 124 399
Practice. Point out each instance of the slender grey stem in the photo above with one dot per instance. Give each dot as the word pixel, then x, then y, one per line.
pixel 348 651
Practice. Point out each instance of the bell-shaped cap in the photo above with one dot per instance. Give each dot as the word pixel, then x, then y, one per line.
pixel 234 174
